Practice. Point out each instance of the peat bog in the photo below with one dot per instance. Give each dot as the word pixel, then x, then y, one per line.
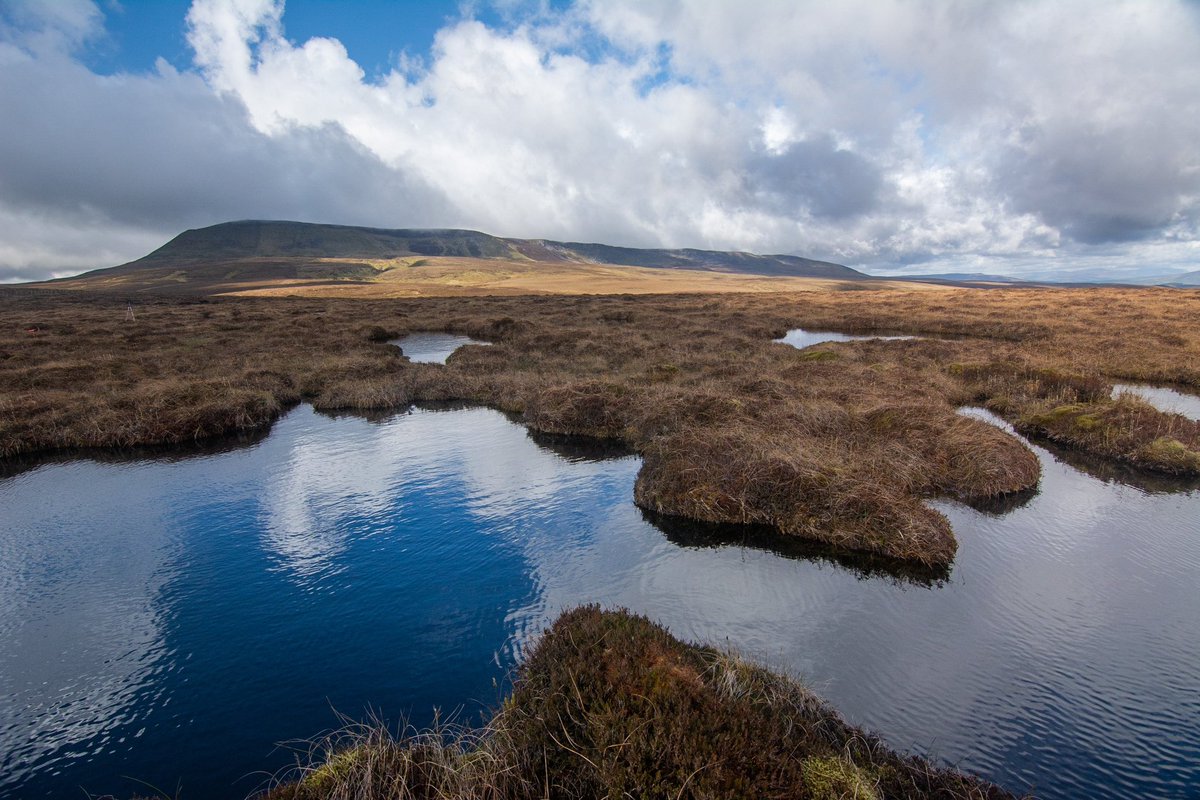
pixel 841 443
pixel 849 447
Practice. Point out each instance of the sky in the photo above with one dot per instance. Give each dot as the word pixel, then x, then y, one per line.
pixel 1027 137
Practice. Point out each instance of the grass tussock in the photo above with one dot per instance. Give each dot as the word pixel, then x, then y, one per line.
pixel 610 705
pixel 840 443
pixel 820 494
pixel 1125 429
pixel 365 761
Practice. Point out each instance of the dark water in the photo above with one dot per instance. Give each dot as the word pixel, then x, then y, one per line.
pixel 801 338
pixel 171 620
pixel 1163 398
pixel 432 347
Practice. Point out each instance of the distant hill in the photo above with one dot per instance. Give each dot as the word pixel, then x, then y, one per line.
pixel 1186 280
pixel 749 263
pixel 257 252
pixel 964 277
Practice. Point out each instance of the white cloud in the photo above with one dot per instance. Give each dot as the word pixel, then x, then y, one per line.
pixel 1025 136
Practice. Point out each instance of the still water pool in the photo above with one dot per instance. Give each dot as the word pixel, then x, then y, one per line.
pixel 432 347
pixel 801 338
pixel 171 620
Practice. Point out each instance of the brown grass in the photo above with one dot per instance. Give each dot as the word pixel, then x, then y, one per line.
pixel 840 443
pixel 610 705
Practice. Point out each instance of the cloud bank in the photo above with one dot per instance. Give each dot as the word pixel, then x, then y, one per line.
pixel 921 135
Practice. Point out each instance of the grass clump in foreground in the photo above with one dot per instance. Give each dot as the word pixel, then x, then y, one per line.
pixel 610 705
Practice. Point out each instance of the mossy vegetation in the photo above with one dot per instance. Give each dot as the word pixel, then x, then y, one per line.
pixel 610 705
pixel 831 778
pixel 734 427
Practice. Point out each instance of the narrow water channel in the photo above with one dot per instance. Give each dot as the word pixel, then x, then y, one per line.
pixel 172 620
pixel 1163 398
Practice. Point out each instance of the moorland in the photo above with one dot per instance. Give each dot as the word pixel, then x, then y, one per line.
pixel 840 443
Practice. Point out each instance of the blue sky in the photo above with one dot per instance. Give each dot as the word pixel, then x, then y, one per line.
pixel 1048 138
pixel 374 32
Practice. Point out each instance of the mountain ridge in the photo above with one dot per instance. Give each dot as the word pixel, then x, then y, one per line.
pixel 271 242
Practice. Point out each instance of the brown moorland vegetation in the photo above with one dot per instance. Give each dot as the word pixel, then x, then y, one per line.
pixel 610 705
pixel 838 442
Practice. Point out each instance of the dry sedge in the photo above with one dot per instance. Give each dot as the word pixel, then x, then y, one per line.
pixel 840 443
pixel 610 705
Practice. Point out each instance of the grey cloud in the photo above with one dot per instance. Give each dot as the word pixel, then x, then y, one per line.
pixel 21 274
pixel 163 153
pixel 814 176
pixel 1102 187
pixel 1041 129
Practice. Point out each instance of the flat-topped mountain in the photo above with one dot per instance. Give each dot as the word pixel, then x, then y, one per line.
pixel 266 239
pixel 264 255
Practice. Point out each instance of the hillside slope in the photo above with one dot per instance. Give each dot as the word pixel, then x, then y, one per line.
pixel 257 255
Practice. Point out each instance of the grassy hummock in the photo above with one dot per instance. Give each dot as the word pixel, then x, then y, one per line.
pixel 1077 410
pixel 609 705
pixel 1126 429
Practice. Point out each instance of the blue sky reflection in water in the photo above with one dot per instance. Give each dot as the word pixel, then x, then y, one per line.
pixel 173 619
